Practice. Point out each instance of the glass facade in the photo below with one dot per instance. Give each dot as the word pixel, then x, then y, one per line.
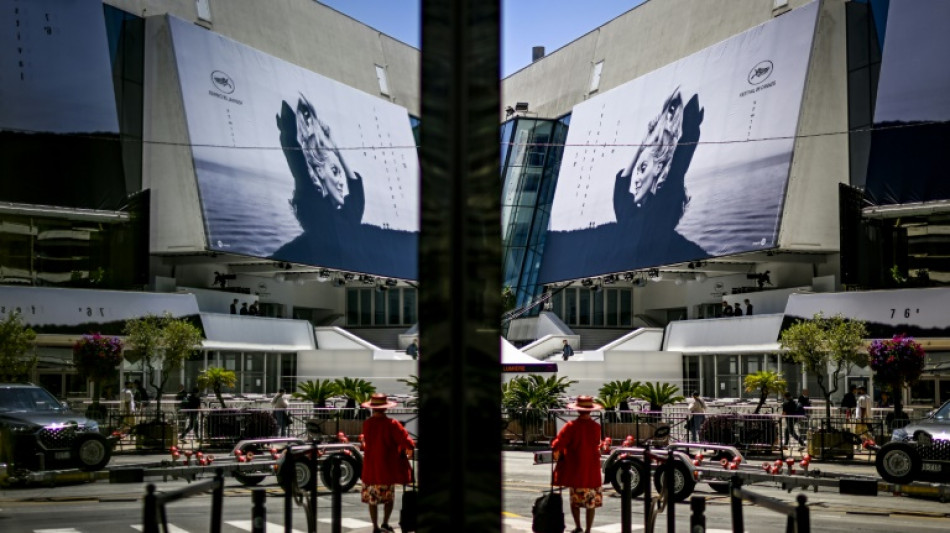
pixel 581 306
pixel 381 307
pixel 531 151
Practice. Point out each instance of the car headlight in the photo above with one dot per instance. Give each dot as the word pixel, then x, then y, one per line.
pixel 20 427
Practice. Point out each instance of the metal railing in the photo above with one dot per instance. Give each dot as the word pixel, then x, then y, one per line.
pixel 798 517
pixel 154 512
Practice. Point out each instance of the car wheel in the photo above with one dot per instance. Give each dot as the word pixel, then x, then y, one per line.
pixel 638 476
pixel 898 462
pixel 92 452
pixel 350 470
pixel 683 482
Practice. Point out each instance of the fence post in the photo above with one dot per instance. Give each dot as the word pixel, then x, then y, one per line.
pixel 697 519
pixel 288 474
pixel 312 516
pixel 258 511
pixel 149 517
pixel 802 515
pixel 735 500
pixel 647 491
pixel 670 488
pixel 336 504
pixel 625 497
pixel 217 501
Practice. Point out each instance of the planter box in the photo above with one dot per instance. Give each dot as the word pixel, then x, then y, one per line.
pixel 514 431
pixel 148 435
pixel 834 444
pixel 639 431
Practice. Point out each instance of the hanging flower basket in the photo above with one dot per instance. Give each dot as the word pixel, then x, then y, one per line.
pixel 897 360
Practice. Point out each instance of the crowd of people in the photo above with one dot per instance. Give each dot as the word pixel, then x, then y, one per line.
pixel 244 308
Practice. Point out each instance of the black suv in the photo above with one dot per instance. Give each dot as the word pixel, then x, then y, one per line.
pixel 37 432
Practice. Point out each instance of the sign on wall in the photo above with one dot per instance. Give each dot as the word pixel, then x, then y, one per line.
pixel 82 311
pixel 687 162
pixel 914 312
pixel 294 166
pixel 912 112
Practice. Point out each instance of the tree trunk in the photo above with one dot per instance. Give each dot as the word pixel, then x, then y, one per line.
pixel 762 398
pixel 217 394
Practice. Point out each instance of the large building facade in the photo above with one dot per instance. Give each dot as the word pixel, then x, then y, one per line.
pixel 683 155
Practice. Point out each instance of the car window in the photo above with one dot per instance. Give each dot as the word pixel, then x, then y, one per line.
pixel 943 413
pixel 28 399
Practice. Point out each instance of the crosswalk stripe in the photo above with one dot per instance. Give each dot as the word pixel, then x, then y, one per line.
pixel 349 523
pixel 69 530
pixel 172 528
pixel 615 528
pixel 520 524
pixel 247 525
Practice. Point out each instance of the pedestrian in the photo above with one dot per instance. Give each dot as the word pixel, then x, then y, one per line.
pixel 862 411
pixel 748 307
pixel 280 405
pixel 738 310
pixel 141 394
pixel 190 406
pixel 234 306
pixel 413 349
pixel 127 406
pixel 577 453
pixel 243 310
pixel 727 309
pixel 566 350
pixel 792 411
pixel 885 400
pixel 387 448
pixel 849 402
pixel 697 414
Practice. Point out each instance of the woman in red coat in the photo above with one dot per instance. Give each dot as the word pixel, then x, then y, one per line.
pixel 386 451
pixel 577 452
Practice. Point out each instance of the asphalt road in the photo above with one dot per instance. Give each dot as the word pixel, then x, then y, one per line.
pixel 115 508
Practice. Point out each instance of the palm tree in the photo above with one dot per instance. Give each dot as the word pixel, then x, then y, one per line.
pixel 356 391
pixel 659 394
pixel 531 397
pixel 316 392
pixel 765 382
pixel 217 378
pixel 413 383
pixel 614 394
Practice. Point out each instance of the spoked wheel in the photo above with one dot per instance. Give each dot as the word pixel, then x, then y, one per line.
pixel 898 462
pixel 683 483
pixel 92 452
pixel 638 476
pixel 350 470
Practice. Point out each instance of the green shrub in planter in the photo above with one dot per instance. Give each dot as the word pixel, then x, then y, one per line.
pixel 259 424
pixel 223 424
pixel 718 430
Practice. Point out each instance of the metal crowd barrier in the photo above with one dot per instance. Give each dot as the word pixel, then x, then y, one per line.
pixel 154 513
pixel 798 517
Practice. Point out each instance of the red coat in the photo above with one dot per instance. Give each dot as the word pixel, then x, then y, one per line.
pixel 578 444
pixel 385 442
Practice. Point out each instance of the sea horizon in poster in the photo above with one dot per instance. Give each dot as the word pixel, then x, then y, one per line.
pixel 294 166
pixel 684 163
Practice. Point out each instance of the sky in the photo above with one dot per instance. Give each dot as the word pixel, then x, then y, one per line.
pixel 525 23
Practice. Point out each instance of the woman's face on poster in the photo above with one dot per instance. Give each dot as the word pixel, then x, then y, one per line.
pixel 652 163
pixel 330 173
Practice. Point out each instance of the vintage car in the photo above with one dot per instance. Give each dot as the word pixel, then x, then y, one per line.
pixel 919 451
pixel 37 432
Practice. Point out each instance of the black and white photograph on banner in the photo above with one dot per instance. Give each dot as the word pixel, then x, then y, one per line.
pixel 294 166
pixel 684 163
pixel 912 112
pixel 58 114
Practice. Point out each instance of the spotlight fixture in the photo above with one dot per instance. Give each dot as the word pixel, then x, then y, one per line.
pixel 628 276
pixel 391 282
pixel 509 111
pixel 587 282
pixel 608 280
pixel 368 280
pixel 654 274
pixel 348 277
pixel 323 276
pixel 521 106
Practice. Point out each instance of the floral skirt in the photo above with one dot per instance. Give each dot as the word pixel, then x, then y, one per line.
pixel 587 498
pixel 377 494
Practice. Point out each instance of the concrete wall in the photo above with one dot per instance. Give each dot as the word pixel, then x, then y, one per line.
pixel 308 34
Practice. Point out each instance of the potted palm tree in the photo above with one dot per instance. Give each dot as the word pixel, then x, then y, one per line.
pixel 223 423
pixel 527 400
pixel 356 391
pixel 657 394
pixel 616 395
pixel 765 382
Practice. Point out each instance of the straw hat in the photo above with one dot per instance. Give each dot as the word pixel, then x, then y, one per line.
pixel 378 401
pixel 584 403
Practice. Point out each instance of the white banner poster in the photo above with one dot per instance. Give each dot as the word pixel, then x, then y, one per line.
pixel 687 162
pixel 295 166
